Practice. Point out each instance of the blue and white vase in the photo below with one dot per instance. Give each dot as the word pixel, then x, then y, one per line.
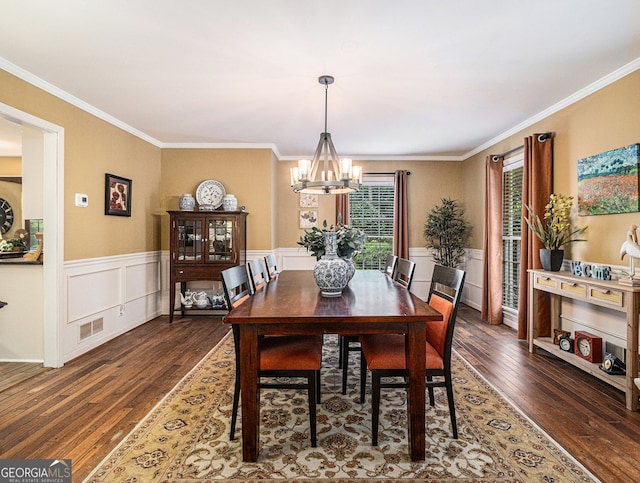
pixel 352 267
pixel 331 272
pixel 187 202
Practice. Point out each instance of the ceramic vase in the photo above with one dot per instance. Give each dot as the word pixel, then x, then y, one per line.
pixel 331 272
pixel 187 202
pixel 551 260
pixel 351 267
pixel 229 203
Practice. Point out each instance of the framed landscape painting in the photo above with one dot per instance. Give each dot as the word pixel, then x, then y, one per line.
pixel 609 182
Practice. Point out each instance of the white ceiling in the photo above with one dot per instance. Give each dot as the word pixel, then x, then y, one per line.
pixel 416 78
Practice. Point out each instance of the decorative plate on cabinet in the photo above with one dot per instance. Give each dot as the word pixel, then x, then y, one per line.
pixel 210 192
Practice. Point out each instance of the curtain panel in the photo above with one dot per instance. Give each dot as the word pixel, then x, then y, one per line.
pixel 342 207
pixel 400 215
pixel 537 187
pixel 492 243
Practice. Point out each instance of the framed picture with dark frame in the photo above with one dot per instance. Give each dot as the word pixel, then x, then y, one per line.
pixel 117 195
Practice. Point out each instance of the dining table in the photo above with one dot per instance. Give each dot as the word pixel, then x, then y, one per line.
pixel 372 303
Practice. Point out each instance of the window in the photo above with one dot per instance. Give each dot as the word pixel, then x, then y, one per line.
pixel 371 209
pixel 512 175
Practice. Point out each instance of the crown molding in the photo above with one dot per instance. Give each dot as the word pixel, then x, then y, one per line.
pixel 79 103
pixel 389 157
pixel 65 96
pixel 572 99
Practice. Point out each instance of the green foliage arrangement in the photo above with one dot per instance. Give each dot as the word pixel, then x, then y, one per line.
pixel 554 230
pixel 11 243
pixel 350 240
pixel 446 232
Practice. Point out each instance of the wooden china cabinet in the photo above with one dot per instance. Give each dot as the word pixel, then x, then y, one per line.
pixel 203 244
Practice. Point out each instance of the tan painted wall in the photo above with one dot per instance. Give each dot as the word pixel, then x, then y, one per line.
pixel 10 166
pixel 92 148
pixel 429 182
pixel 246 173
pixel 605 120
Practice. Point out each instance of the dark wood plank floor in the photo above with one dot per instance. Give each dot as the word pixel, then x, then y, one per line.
pixel 84 409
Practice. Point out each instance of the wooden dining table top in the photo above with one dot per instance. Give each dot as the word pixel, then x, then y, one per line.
pixel 370 297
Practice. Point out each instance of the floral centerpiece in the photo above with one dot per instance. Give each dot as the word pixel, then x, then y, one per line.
pixel 350 240
pixel 554 229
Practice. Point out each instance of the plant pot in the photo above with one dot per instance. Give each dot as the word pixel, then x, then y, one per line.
pixel 551 260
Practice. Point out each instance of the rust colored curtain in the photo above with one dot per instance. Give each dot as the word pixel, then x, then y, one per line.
pixel 400 216
pixel 342 207
pixel 537 186
pixel 492 243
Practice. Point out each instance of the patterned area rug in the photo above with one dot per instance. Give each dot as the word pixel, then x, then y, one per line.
pixel 186 437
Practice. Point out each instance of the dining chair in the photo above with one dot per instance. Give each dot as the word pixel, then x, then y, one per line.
pixel 351 343
pixel 390 265
pixel 272 265
pixel 404 272
pixel 288 356
pixel 384 354
pixel 258 275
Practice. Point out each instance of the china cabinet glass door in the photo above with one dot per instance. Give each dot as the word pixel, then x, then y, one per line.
pixel 221 240
pixel 189 241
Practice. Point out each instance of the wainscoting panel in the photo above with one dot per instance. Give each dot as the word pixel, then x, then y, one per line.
pixel 107 297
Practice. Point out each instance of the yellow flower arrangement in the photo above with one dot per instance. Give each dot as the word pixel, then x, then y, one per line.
pixel 554 231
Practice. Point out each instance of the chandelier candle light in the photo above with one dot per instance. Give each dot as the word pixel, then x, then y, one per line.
pixel 336 175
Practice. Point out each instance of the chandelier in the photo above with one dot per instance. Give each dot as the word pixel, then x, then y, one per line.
pixel 336 175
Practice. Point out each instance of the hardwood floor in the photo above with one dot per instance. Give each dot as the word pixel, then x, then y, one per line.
pixel 83 410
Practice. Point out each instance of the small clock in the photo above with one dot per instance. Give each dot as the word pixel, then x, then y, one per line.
pixel 6 216
pixel 612 365
pixel 565 343
pixel 588 346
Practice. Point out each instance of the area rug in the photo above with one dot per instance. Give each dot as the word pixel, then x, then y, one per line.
pixel 186 437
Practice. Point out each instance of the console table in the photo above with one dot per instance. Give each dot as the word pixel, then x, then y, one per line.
pixel 604 293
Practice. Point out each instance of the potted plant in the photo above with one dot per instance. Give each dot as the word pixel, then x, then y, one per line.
pixel 447 232
pixel 12 245
pixel 349 240
pixel 554 230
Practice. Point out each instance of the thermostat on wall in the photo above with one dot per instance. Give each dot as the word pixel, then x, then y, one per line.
pixel 82 200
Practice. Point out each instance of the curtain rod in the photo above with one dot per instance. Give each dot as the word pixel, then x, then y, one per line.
pixel 541 138
pixel 389 172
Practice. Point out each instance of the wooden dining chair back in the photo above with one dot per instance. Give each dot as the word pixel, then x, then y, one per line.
pixel 236 285
pixel 384 355
pixel 272 265
pixel 281 356
pixel 390 265
pixel 404 272
pixel 258 274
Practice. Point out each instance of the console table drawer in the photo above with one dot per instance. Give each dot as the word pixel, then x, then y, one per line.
pixel 613 297
pixel 574 289
pixel 545 282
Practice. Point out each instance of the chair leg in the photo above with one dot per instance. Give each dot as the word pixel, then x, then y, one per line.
pixel 430 389
pixel 340 350
pixel 363 376
pixel 312 382
pixel 344 353
pixel 234 410
pixel 452 406
pixel 375 406
pixel 318 385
